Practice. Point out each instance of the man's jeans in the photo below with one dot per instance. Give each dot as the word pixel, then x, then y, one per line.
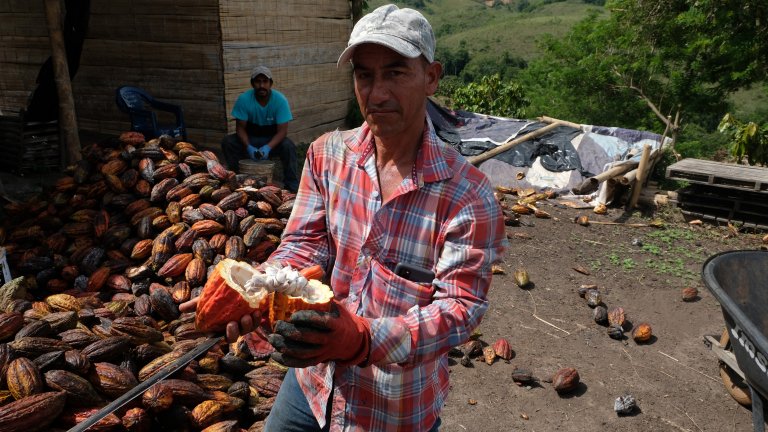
pixel 291 412
pixel 233 152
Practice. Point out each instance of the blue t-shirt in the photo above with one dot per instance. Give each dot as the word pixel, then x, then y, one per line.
pixel 277 111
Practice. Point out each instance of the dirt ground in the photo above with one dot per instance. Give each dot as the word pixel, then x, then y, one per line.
pixel 675 378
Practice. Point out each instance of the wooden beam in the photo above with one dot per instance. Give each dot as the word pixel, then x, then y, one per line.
pixel 474 160
pixel 67 118
pixel 642 173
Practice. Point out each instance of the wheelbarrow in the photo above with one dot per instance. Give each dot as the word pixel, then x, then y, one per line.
pixel 739 281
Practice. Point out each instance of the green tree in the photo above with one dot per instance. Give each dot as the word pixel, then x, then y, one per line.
pixel 748 140
pixel 491 95
pixel 650 61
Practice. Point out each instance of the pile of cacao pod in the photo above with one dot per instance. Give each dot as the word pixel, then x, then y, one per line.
pixel 523 202
pixel 102 262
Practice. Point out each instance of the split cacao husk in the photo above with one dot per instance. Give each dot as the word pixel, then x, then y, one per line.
pixel 502 349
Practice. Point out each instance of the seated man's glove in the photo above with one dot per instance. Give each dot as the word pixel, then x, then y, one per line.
pixel 310 337
pixel 253 152
pixel 264 150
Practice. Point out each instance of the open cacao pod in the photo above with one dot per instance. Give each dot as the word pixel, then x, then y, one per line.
pixel 233 290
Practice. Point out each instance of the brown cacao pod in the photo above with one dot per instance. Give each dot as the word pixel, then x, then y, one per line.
pixel 137 420
pixel 157 398
pixel 690 294
pixel 79 391
pixel 10 324
pixel 111 380
pixel 23 378
pixel 158 363
pixel 98 279
pixel 206 413
pixel 522 376
pixel 235 248
pixel 211 382
pixel 162 303
pixel 223 426
pixel 36 328
pixel 74 416
pixel 78 337
pixel 63 303
pixel 106 349
pixel 135 330
pixel 32 347
pixel 600 314
pixel 195 273
pixel 76 362
pixel 207 228
pixel 175 266
pixel 25 415
pixel 565 380
pixel 616 316
pixel 642 333
pixel 185 240
pixel 615 332
pixel 233 201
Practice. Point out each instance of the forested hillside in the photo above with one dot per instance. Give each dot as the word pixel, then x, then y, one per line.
pixel 637 64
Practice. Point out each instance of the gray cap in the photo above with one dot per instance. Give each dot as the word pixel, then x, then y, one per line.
pixel 404 31
pixel 261 70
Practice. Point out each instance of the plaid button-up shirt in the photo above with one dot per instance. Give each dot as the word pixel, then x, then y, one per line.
pixel 443 217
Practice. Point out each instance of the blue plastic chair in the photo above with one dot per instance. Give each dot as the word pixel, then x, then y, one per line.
pixel 141 108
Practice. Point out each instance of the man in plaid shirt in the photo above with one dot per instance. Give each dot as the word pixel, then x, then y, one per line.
pixel 388 192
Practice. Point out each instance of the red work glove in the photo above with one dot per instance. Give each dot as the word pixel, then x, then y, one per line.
pixel 310 337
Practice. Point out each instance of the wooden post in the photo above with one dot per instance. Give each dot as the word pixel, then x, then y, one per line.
pixel 591 184
pixel 546 119
pixel 67 118
pixel 642 173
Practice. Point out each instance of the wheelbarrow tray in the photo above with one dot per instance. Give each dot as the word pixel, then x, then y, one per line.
pixel 739 281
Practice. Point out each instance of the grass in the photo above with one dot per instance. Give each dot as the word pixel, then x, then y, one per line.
pixel 671 252
pixel 489 32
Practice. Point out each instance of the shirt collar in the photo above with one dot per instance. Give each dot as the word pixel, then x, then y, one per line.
pixel 431 165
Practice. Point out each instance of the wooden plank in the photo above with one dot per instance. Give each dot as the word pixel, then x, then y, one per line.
pixel 720 174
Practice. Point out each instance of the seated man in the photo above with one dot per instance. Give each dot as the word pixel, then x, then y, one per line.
pixel 262 115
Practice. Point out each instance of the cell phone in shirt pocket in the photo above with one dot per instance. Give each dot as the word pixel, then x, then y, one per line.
pixel 414 273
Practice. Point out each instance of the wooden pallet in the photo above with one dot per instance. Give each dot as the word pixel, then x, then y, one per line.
pixel 724 205
pixel 742 177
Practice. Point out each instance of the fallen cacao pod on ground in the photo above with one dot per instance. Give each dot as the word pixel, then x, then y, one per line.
pixel 565 380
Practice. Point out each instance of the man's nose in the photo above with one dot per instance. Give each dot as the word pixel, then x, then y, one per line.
pixel 379 90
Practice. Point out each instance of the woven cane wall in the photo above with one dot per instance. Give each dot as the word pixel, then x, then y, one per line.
pixel 197 53
pixel 24 46
pixel 299 40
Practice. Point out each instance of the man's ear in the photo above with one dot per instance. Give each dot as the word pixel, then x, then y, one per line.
pixel 433 72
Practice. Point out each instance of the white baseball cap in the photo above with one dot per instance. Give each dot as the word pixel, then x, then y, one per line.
pixel 404 31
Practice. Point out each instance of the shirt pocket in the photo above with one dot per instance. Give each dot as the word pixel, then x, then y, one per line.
pixel 393 295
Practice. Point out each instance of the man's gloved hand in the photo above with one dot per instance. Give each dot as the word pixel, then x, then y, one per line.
pixel 264 150
pixel 310 337
pixel 253 152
